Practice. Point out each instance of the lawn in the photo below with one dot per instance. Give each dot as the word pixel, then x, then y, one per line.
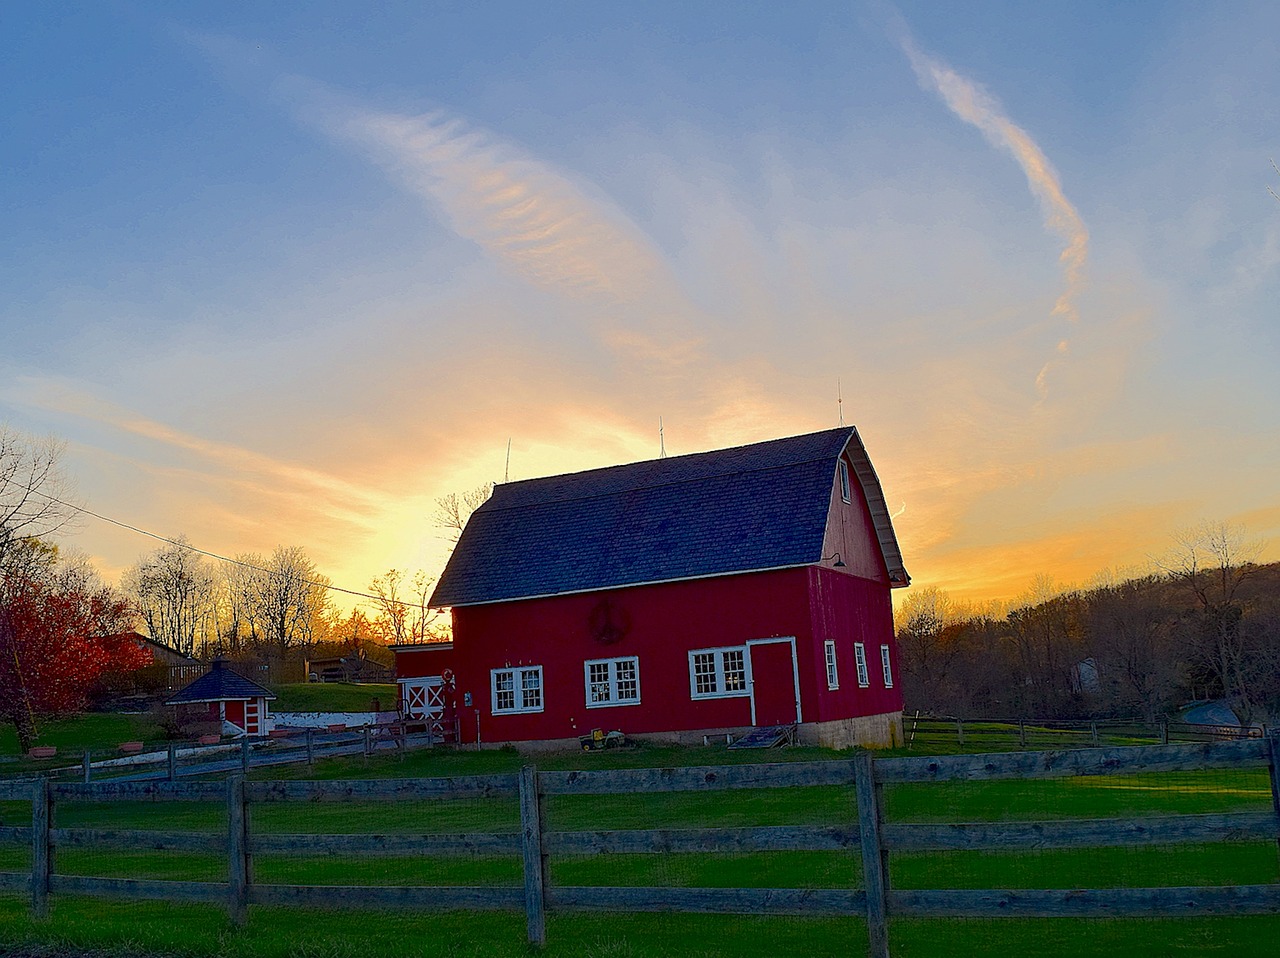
pixel 152 927
pixel 332 697
pixel 73 734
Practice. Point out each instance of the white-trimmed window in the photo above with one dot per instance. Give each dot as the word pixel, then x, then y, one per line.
pixel 860 660
pixel 846 492
pixel 833 676
pixel 516 690
pixel 886 667
pixel 612 681
pixel 718 673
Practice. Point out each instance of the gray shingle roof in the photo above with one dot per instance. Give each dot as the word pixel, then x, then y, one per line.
pixel 749 508
pixel 217 684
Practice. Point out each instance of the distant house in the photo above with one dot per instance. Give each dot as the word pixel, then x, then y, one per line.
pixel 347 668
pixel 674 598
pixel 240 705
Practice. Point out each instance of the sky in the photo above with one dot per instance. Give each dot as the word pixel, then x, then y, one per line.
pixel 284 274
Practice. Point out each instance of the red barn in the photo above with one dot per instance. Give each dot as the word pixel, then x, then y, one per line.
pixel 676 598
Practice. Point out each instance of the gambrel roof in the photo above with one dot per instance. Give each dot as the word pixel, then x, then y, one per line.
pixel 220 684
pixel 745 509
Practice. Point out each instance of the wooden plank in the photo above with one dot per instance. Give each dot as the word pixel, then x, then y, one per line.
pixel 732 901
pixel 392 789
pixel 1089 903
pixel 41 848
pixel 466 843
pixel 237 887
pixel 427 898
pixel 139 889
pixel 771 838
pixel 140 791
pixel 15 881
pixel 138 839
pixel 875 872
pixel 1082 833
pixel 15 834
pixel 16 789
pixel 535 862
pixel 1071 762
pixel 696 778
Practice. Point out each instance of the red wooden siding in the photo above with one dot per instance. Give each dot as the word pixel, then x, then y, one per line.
pixel 660 624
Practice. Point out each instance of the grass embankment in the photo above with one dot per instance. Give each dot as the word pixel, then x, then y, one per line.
pixel 332 697
pixel 202 930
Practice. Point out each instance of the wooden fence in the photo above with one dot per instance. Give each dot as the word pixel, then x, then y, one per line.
pixel 867 832
pixel 926 731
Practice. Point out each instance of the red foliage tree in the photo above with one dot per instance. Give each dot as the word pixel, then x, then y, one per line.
pixel 55 642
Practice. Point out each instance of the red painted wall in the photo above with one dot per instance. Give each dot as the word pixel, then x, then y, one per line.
pixel 413 663
pixel 660 624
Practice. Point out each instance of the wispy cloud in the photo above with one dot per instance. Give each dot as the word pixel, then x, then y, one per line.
pixel 532 217
pixel 971 103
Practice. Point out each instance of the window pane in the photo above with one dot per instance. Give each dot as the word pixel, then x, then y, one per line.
pixel 598 681
pixel 627 681
pixel 531 688
pixel 704 673
pixel 735 672
pixel 504 699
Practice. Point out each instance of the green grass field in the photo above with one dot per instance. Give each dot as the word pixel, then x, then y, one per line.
pixel 155 928
pixel 90 730
pixel 332 697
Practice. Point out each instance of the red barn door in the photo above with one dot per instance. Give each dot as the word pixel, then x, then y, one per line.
pixel 775 696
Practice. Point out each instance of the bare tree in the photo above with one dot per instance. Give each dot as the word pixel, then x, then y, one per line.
pixel 35 494
pixel 453 510
pixel 285 598
pixel 1213 560
pixel 174 591
pixel 402 605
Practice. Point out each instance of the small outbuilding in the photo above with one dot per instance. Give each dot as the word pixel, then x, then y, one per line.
pixel 674 599
pixel 225 696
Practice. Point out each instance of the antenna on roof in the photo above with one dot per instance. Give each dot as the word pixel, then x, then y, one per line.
pixel 662 442
pixel 506 473
pixel 839 401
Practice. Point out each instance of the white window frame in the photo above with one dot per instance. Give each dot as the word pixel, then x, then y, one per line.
pixel 846 489
pixel 886 666
pixel 719 673
pixel 860 660
pixel 611 682
pixel 519 689
pixel 833 672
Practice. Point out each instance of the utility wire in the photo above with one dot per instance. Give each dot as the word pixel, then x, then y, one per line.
pixel 204 552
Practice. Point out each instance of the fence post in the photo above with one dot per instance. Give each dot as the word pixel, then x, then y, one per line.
pixel 1022 733
pixel 959 731
pixel 535 863
pixel 311 758
pixel 237 852
pixel 1273 748
pixel 88 765
pixel 173 762
pixel 244 754
pixel 1093 732
pixel 1164 733
pixel 41 847
pixel 366 741
pixel 875 865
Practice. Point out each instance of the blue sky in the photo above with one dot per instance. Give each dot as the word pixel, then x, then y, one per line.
pixel 287 273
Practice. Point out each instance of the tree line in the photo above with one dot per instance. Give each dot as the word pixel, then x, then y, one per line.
pixel 64 631
pixel 1203 623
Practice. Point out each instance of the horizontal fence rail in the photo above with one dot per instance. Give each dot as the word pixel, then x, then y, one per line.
pixel 866 835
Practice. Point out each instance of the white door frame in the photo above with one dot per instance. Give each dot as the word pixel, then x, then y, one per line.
pixel 795 672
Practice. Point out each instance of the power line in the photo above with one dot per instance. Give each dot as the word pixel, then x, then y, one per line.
pixel 204 552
